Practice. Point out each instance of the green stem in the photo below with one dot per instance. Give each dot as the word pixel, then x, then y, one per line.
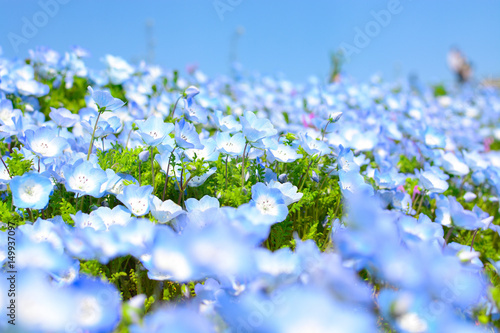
pixel 448 236
pixel 93 134
pixel 243 167
pixel 472 243
pixel 152 170
pixel 226 170
pixel 171 115
pixel 166 175
pixel 8 171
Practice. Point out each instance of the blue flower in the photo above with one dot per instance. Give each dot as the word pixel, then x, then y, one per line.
pixel 283 153
pixel 186 135
pixel 44 142
pixel 104 126
pixel 231 145
pixel 256 128
pixel 154 130
pixel 136 198
pixel 84 179
pixel 432 182
pixel 31 190
pixel 104 100
pixel 63 117
pixel 269 202
pixel 227 123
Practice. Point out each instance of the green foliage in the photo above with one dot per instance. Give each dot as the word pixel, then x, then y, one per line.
pixel 72 99
pixel 17 165
pixel 439 90
pixel 408 166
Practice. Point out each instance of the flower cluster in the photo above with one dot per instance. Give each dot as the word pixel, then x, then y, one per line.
pixel 253 204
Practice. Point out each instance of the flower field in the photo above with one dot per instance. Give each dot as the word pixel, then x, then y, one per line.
pixel 135 199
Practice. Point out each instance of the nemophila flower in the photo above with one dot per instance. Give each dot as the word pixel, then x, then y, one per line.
pixel 199 180
pixel 31 190
pixel 43 231
pixel 45 142
pixel 352 182
pixel 226 123
pixel 32 88
pixel 453 165
pixel 84 178
pixel 203 204
pixel 283 153
pixel 154 130
pixel 144 156
pixel 462 218
pixel 104 126
pixel 63 117
pixel 119 215
pixel 231 145
pixel 209 152
pixel 95 304
pixel 256 128
pixel 313 146
pixel 434 138
pixel 346 161
pixel 115 184
pixel 83 220
pixel 136 198
pixel 189 95
pixel 7 113
pixel 402 202
pixel 178 319
pixel 186 135
pixel 432 182
pixel 269 202
pixel 104 100
pixel 164 211
pixel 196 114
pixel 288 190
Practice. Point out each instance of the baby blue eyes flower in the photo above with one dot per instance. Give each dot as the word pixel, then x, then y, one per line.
pixel 31 190
pixel 454 166
pixel 256 128
pixel 154 130
pixel 84 179
pixel 104 126
pixel 226 123
pixel 432 183
pixel 136 198
pixel 63 117
pixel 284 154
pixel 165 211
pixel 105 101
pixel 44 142
pixel 269 202
pixel 189 94
pixel 231 145
pixel 186 135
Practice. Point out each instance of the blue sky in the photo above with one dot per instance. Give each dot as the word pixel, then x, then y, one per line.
pixel 281 36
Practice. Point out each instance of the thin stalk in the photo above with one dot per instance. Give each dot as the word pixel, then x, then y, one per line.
pixel 243 167
pixel 166 175
pixel 140 163
pixel 93 134
pixel 226 170
pixel 152 170
pixel 8 171
pixel 171 114
pixel 128 138
pixel 421 201
pixel 31 215
pixel 472 243
pixel 448 235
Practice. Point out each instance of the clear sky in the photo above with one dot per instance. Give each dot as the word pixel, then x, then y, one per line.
pixel 280 36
